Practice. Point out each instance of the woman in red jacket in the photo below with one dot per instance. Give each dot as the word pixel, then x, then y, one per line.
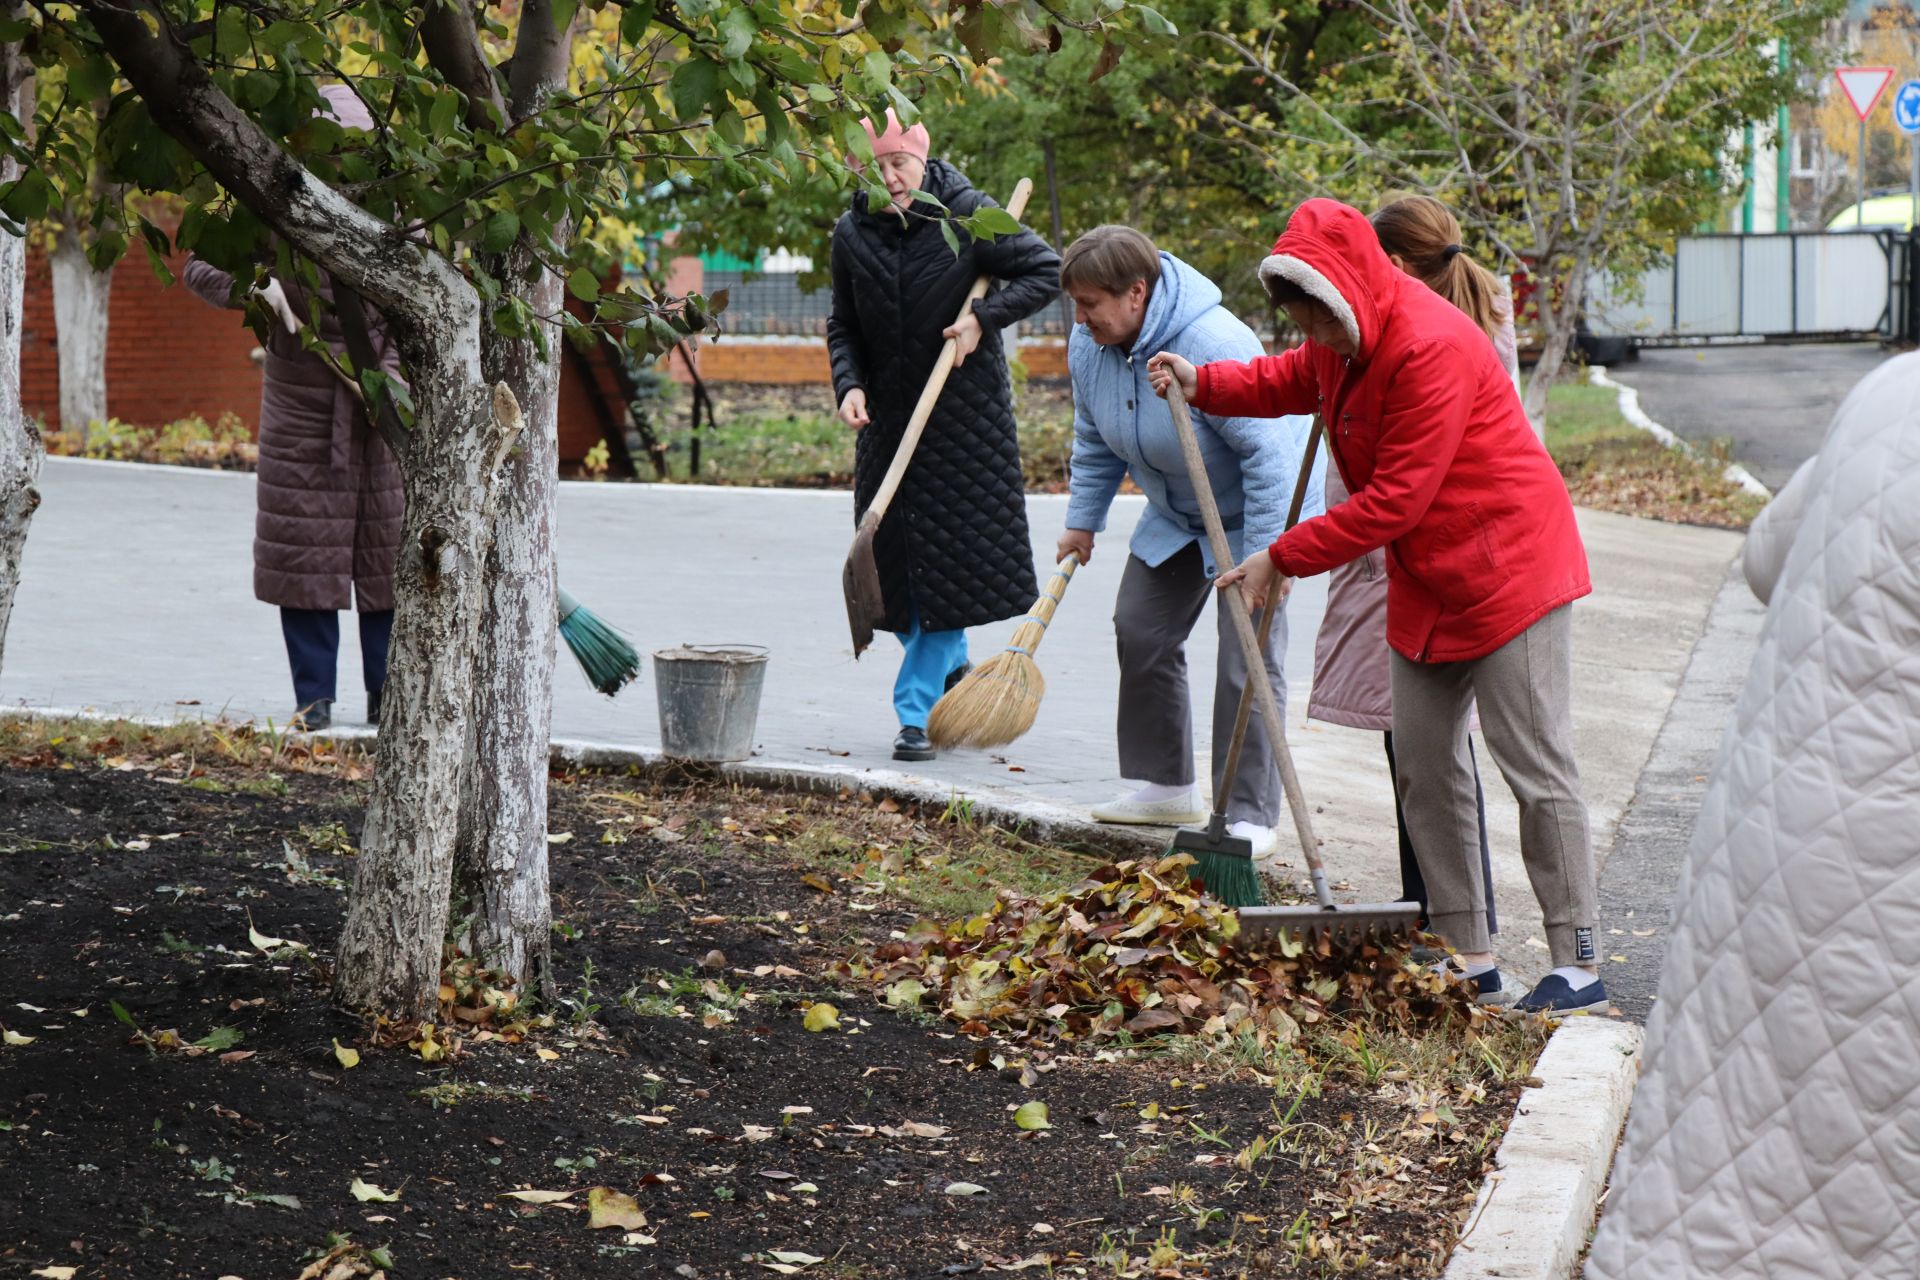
pixel 1483 560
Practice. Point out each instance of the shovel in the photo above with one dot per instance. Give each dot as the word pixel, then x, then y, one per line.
pixel 1341 925
pixel 860 579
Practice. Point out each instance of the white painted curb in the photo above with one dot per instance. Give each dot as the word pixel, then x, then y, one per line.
pixel 1537 1205
pixel 1630 410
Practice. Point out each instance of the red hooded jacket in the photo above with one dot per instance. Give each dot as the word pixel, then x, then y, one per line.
pixel 1430 437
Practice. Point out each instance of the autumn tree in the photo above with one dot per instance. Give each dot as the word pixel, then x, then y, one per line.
pixel 504 136
pixel 1569 138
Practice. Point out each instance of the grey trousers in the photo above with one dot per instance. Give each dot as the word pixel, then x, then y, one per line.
pixel 1152 617
pixel 1524 692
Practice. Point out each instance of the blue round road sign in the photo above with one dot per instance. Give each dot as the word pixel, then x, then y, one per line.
pixel 1906 107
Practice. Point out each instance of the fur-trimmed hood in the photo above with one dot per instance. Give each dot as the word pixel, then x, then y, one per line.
pixel 1330 250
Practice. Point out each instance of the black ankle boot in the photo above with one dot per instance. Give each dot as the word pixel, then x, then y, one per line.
pixel 912 744
pixel 373 706
pixel 317 714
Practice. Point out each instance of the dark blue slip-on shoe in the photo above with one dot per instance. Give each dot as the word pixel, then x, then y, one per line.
pixel 1555 995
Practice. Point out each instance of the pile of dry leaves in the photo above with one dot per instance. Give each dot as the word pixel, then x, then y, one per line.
pixel 1136 948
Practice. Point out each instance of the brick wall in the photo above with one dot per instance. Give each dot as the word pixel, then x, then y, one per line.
pixel 788 363
pixel 170 355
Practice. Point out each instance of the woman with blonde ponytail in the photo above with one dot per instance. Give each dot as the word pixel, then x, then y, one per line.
pixel 1422 238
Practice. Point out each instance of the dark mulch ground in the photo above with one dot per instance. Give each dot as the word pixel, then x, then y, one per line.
pixel 679 1077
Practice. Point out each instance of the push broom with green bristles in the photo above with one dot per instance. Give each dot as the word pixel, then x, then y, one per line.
pixel 1224 863
pixel 603 653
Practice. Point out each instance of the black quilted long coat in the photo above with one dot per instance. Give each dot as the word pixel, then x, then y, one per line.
pixel 954 539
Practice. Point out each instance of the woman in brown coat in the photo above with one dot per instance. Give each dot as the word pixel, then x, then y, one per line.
pixel 330 500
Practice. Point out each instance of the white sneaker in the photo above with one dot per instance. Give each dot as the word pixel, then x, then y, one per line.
pixel 1265 840
pixel 1182 808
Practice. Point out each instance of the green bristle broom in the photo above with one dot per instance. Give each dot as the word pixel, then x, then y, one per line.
pixel 609 661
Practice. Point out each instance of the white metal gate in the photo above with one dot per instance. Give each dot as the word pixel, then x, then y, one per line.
pixel 1834 285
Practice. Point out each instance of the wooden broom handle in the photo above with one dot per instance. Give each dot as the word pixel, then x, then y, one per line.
pixel 1245 713
pixel 936 382
pixel 1243 627
pixel 1044 605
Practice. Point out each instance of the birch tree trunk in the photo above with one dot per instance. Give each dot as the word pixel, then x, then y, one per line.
pixel 20 447
pixel 500 863
pixel 80 299
pixel 391 949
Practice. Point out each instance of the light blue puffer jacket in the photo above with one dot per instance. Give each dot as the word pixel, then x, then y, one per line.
pixel 1121 428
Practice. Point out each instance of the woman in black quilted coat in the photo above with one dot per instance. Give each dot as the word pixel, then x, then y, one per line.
pixel 953 550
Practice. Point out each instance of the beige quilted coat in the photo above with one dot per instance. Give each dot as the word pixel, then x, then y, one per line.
pixel 1776 1130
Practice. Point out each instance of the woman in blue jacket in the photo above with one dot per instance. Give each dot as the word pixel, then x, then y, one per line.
pixel 1131 301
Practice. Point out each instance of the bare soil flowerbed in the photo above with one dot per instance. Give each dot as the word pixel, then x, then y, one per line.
pixel 709 1084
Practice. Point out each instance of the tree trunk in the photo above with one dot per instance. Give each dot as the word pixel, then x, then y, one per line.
pixel 390 952
pixel 500 862
pixel 20 448
pixel 80 300
pixel 1559 318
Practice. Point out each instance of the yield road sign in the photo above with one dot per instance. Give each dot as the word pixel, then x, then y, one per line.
pixel 1906 107
pixel 1863 87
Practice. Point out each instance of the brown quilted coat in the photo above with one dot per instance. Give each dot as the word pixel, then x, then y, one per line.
pixel 330 498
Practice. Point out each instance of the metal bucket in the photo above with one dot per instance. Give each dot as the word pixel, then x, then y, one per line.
pixel 709 699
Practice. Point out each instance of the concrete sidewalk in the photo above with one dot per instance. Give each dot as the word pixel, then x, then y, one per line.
pixel 137 600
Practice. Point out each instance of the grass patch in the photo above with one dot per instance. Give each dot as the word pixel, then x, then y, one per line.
pixel 759 440
pixel 949 876
pixel 1611 465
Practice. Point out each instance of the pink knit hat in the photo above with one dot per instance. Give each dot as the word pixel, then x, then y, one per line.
pixel 913 141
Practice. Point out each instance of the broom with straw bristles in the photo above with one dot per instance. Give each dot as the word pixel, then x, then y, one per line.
pixel 997 701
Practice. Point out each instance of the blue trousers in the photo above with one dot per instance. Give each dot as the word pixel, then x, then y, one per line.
pixel 931 656
pixel 313 650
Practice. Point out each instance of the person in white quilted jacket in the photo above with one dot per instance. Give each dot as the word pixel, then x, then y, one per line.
pixel 1776 1130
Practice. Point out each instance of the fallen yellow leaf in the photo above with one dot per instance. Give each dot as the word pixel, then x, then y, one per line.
pixel 364 1191
pixel 536 1197
pixel 268 945
pixel 14 1037
pixel 546 1055
pixel 349 1058
pixel 822 1017
pixel 609 1208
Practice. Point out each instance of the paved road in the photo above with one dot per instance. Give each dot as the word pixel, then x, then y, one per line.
pixel 137 600
pixel 1774 402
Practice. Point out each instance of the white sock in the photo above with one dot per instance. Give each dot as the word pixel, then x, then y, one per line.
pixel 1454 964
pixel 1249 830
pixel 1576 977
pixel 1154 792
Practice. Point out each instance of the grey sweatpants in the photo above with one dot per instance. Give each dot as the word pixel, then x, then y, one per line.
pixel 1524 692
pixel 1152 617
